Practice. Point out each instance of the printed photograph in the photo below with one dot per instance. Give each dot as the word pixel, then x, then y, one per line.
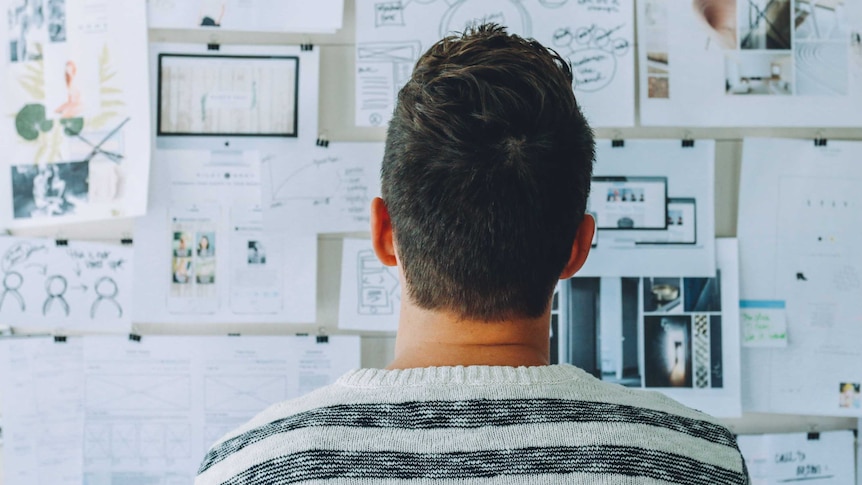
pixel 182 244
pixel 764 24
pixel 702 294
pixel 662 295
pixel 719 19
pixel 57 20
pixel 182 271
pixel 822 68
pixel 205 271
pixel 820 20
pixel 656 28
pixel 759 73
pixel 27 30
pixel 205 245
pixel 667 351
pixel 49 190
pixel 256 253
pixel 850 396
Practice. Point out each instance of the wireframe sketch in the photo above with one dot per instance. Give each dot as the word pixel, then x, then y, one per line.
pixel 243 393
pixel 379 288
pixel 107 291
pixel 384 67
pixel 138 392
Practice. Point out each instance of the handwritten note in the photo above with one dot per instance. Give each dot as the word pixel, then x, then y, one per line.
pixel 826 458
pixel 763 323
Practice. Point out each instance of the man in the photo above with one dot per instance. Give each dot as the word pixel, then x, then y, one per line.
pixel 485 180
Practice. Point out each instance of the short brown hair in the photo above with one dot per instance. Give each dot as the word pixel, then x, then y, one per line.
pixel 486 174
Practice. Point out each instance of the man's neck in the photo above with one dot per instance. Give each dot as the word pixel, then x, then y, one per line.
pixel 441 339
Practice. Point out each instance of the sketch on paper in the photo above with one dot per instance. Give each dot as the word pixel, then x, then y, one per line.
pixel 80 118
pixel 82 285
pixel 594 36
pixel 371 292
pixel 324 16
pixel 378 287
pixel 322 190
pixel 243 393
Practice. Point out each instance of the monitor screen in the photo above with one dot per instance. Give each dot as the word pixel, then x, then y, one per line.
pixel 681 224
pixel 224 95
pixel 625 203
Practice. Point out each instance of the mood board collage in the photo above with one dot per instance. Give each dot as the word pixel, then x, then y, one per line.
pixel 214 152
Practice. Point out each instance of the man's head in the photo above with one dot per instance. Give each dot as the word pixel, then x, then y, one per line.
pixel 486 175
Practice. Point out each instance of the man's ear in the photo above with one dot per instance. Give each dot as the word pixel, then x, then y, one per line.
pixel 381 233
pixel 580 247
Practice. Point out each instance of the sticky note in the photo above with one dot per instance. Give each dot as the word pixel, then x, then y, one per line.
pixel 763 323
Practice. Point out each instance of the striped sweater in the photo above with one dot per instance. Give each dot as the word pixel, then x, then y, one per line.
pixel 476 425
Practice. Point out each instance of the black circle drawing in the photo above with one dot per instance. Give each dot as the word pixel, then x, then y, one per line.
pixel 106 291
pixel 56 287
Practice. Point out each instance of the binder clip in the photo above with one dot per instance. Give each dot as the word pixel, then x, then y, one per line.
pixel 61 242
pixel 213 46
pixel 322 141
pixel 59 339
pixel 617 141
pixel 233 335
pixel 813 434
pixel 819 139
pixel 127 240
pixel 687 140
pixel 322 338
pixel 133 337
pixel 307 47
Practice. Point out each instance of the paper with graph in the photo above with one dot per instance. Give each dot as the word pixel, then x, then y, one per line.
pixel 370 292
pixel 321 190
pixel 74 96
pixel 596 36
pixel 799 225
pixel 750 63
pixel 65 286
pixel 320 16
pixel 147 411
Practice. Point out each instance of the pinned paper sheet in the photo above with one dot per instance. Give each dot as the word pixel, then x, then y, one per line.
pixel 764 323
pixel 370 291
pixel 826 458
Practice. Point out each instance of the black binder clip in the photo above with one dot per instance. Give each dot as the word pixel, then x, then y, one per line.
pixel 820 142
pixel 134 337
pixel 814 436
pixel 323 339
pixel 127 241
pixel 306 47
pixel 322 142
pixel 213 47
pixel 233 335
pixel 59 339
pixel 687 140
pixel 617 141
pixel 62 242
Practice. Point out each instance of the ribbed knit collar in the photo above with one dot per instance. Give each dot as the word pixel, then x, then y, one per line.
pixel 473 375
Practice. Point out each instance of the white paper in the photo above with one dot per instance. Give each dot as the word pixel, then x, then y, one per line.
pixel 627 188
pixel 77 141
pixel 320 16
pixel 320 190
pixel 764 323
pixel 370 297
pixel 596 36
pixel 678 336
pixel 204 256
pixel 799 225
pixel 110 410
pixel 78 287
pixel 798 457
pixel 41 384
pixel 703 65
